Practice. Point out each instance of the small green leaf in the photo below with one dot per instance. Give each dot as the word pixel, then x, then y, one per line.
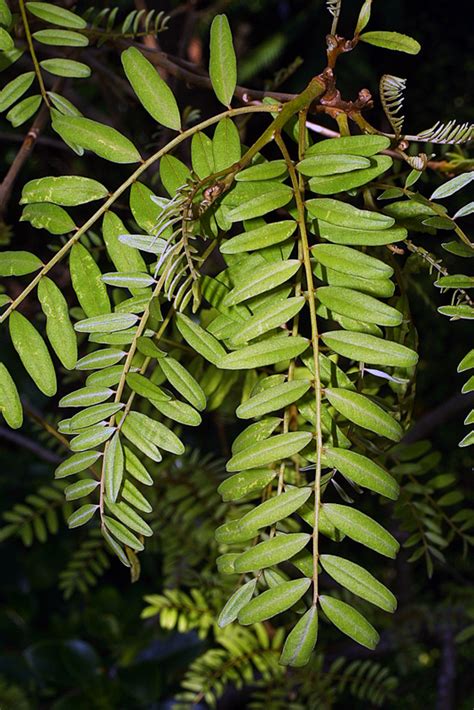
pixel 464 211
pixel 10 403
pixel 102 140
pixel 259 238
pixel 362 471
pixel 463 311
pixel 6 41
pixel 239 599
pixel 367 146
pixel 269 170
pixel 174 174
pixel 467 363
pixel 455 281
pixel 80 489
pixel 77 463
pixel 360 237
pixel 33 353
pixel 15 89
pixel 82 515
pixel 273 601
pixel 222 61
pixel 301 640
pixel 56 15
pixel 86 397
pixel 271 552
pixel 133 280
pixel 18 263
pixel 362 529
pixel 178 411
pixel 152 91
pixel 349 621
pixel 183 382
pixel 58 324
pixel 452 186
pixel 343 214
pixel 61 38
pixel 254 433
pixel 123 534
pixel 364 17
pixel 144 209
pixel 266 352
pixel 261 280
pixel 108 323
pixel 242 484
pixel 200 340
pixel 47 216
pixel 145 388
pixel 225 144
pixel 124 257
pixel 266 318
pixel 391 40
pixel 359 306
pixel 232 532
pixel 24 110
pixel 87 282
pixel 369 349
pixel 332 184
pixel 276 508
pixel 131 494
pixel 94 414
pixel 272 399
pixel 202 157
pixel 100 359
pixel 358 581
pixel 156 432
pixel 362 411
pixel 318 165
pixel 5 14
pixel 274 198
pixel 91 437
pixel 351 261
pixel 68 68
pixel 269 450
pixel 68 190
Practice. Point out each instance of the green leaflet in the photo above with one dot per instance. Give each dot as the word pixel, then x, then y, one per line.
pixel 272 399
pixel 318 165
pixel 24 110
pixel 133 280
pixel 156 432
pixel 48 216
pixel 183 382
pixel 242 484
pixel 86 396
pixel 131 494
pixel 261 280
pixel 18 263
pixel 80 489
pixel 276 508
pixel 135 467
pixel 269 450
pixel 145 388
pixel 58 324
pixel 92 415
pixel 273 601
pixel 108 323
pixel 122 534
pixel 259 238
pixel 455 312
pixel 271 552
pixel 225 563
pixel 82 515
pixel 273 198
pixel 357 305
pixel 5 15
pixel 363 412
pixel 360 237
pixel 367 146
pixel 391 40
pixel 200 340
pixel 376 287
pixel 68 190
pixel 87 282
pixel 351 261
pixel 104 141
pixel 33 353
pixel 265 318
pixel 100 359
pixel 91 437
pixel 124 257
pixel 225 144
pixel 68 68
pixel 178 411
pixel 132 430
pixel 455 281
pixel 369 349
pixel 301 640
pixel 362 529
pixel 267 352
pixel 144 209
pixel 343 214
pixel 358 581
pixel 349 621
pixel 6 41
pixel 332 184
pixel 467 363
pixel 269 170
pixel 254 433
pixel 15 89
pixel 61 38
pixel 362 471
pixel 152 91
pixel 10 403
pixel 77 463
pixel 232 532
pixel 202 157
pixel 239 599
pixel 56 15
pixel 174 174
pixel 222 61
pixel 129 517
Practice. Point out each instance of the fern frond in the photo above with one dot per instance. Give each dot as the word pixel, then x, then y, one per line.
pixel 138 23
pixel 88 563
pixel 181 610
pixel 391 95
pixel 442 133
